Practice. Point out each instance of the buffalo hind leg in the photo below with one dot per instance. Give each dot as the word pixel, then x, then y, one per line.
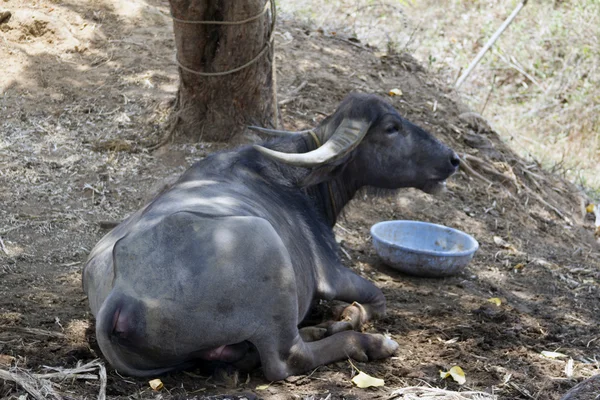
pixel 291 355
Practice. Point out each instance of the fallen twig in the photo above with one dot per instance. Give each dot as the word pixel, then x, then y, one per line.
pixel 520 70
pixel 521 390
pixel 102 375
pixel 548 205
pixel 293 93
pixel 352 43
pixel 79 372
pixel 485 103
pixel 131 42
pixel 422 392
pixel 33 331
pixel 489 169
pixel 532 177
pixel 412 35
pixel 464 165
pixel 2 247
pixel 63 375
pixel 346 253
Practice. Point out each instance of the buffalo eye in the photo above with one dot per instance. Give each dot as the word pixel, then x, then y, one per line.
pixel 391 130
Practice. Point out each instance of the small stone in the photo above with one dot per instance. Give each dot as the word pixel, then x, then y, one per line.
pixel 5 17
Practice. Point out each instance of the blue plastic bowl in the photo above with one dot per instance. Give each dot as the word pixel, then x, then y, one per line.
pixel 423 249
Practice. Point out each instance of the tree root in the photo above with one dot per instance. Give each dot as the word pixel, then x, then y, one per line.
pixel 485 166
pixel 469 163
pixel 464 165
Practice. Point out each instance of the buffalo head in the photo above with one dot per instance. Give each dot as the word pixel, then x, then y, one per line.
pixel 367 137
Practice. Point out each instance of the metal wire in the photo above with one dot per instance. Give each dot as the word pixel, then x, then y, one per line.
pixel 244 21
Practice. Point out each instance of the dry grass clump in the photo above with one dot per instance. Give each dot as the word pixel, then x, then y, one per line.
pixel 430 393
pixel 538 85
pixel 48 385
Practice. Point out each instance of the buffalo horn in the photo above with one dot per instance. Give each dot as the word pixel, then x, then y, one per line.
pixel 345 138
pixel 275 132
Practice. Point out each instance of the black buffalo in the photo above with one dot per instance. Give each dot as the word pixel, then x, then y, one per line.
pixel 226 263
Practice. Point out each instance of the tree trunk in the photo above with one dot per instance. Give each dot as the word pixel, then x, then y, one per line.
pixel 217 108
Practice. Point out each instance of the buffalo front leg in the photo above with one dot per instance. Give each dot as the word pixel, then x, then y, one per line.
pixel 366 301
pixel 291 355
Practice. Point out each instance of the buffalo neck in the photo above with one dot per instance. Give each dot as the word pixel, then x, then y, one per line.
pixel 328 197
pixel 333 194
pixel 341 189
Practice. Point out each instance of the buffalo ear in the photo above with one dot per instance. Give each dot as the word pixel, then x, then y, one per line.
pixel 324 173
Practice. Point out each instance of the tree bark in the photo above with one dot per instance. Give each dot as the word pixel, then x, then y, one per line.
pixel 217 108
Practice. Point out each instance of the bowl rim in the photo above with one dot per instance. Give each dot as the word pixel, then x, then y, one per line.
pixel 471 250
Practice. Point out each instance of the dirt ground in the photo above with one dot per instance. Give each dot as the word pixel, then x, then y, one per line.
pixel 85 88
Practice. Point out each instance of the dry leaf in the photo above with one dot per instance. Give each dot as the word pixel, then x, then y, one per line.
pixel 262 387
pixel 395 92
pixel 363 380
pixel 495 300
pixel 553 354
pixel 504 244
pixel 456 373
pixel 156 384
pixel 6 360
pixel 595 209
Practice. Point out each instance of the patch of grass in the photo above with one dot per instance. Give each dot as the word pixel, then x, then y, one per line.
pixel 544 69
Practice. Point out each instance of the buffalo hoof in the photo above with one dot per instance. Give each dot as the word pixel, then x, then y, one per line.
pixel 312 333
pixel 373 347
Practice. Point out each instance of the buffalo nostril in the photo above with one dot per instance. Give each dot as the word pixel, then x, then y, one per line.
pixel 454 160
pixel 120 325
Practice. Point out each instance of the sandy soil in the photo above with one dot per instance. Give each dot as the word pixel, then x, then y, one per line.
pixel 85 88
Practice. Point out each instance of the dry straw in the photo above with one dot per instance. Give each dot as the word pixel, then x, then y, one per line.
pixel 46 386
pixel 431 393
